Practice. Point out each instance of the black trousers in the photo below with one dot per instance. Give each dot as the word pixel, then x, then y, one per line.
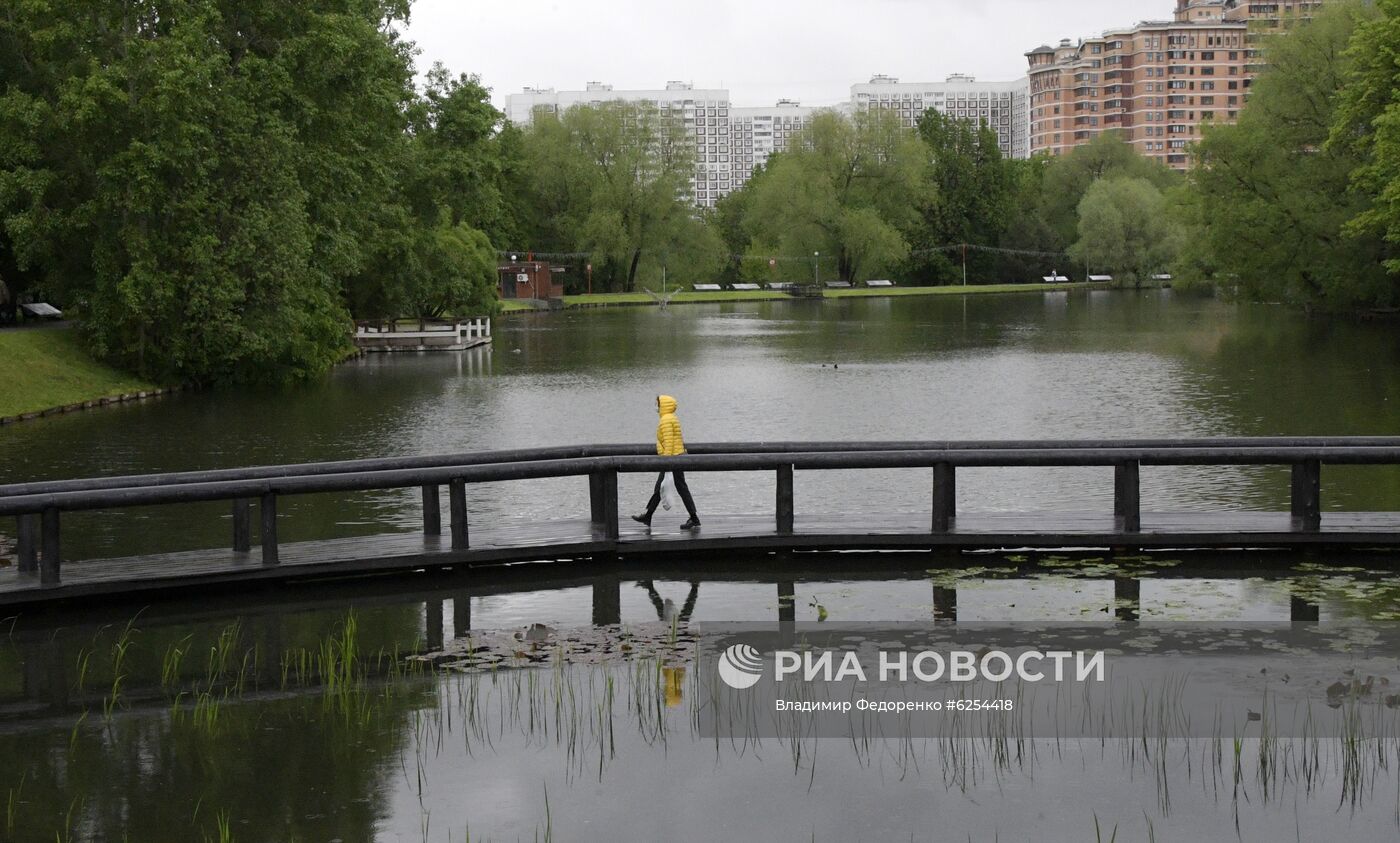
pixel 681 488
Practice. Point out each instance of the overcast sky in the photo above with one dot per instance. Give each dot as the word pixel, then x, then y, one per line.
pixel 761 50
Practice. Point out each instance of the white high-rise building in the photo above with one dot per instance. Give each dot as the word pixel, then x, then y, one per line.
pixel 1005 106
pixel 730 142
pixel 757 133
pixel 703 112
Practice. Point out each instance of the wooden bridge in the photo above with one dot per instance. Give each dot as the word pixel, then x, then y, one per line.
pixel 43 575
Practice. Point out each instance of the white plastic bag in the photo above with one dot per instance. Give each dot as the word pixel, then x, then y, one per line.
pixel 668 492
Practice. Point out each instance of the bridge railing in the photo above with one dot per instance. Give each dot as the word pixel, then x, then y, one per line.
pixel 38 506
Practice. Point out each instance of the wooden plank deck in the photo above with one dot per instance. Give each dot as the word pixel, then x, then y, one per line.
pixel 543 541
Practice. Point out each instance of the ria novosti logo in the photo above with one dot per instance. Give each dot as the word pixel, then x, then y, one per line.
pixel 740 666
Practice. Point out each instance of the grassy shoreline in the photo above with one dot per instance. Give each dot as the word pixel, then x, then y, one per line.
pixel 689 297
pixel 46 369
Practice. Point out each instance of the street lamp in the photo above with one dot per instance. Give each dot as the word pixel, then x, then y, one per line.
pixel 816 274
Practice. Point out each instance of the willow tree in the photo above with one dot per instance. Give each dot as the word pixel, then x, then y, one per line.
pixel 613 180
pixel 1124 230
pixel 848 187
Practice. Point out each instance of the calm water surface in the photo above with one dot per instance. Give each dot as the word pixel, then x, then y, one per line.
pixel 220 718
pixel 1057 365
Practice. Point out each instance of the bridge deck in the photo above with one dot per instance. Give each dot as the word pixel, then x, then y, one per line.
pixel 542 541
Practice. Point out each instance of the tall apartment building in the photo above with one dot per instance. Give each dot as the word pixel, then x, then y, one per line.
pixel 1159 82
pixel 1003 105
pixel 704 113
pixel 757 133
pixel 731 142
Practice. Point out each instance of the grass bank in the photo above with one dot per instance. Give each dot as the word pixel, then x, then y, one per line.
pixel 688 297
pixel 47 368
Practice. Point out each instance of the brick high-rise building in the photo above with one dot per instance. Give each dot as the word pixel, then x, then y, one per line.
pixel 1159 82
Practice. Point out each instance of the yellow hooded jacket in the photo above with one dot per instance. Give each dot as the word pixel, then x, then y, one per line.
pixel 668 433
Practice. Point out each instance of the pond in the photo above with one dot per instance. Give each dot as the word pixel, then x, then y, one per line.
pixel 301 715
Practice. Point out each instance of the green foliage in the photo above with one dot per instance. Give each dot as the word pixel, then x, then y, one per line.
pixel 848 188
pixel 1066 181
pixel 430 252
pixel 195 179
pixel 968 198
pixel 613 180
pixel 1367 123
pixel 1124 230
pixel 1272 199
pixel 1044 198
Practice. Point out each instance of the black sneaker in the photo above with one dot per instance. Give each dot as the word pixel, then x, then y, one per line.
pixel 691 524
pixel 642 519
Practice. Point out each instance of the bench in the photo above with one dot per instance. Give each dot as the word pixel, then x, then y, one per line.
pixel 1054 279
pixel 1099 278
pixel 42 310
pixel 879 283
pixel 838 285
pixel 707 288
pixel 745 287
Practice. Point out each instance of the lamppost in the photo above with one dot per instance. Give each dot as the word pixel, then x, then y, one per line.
pixel 816 273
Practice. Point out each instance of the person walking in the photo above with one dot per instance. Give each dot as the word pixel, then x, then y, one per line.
pixel 669 444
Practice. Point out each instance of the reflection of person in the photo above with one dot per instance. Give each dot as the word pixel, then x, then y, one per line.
pixel 674 676
pixel 669 444
pixel 675 685
pixel 666 609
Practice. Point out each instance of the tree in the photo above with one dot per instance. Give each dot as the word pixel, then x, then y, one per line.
pixel 1029 238
pixel 613 180
pixel 1273 198
pixel 455 174
pixel 1124 230
pixel 846 188
pixel 1366 125
pixel 196 179
pixel 1067 179
pixel 431 255
pixel 967 197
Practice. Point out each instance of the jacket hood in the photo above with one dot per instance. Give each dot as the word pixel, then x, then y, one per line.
pixel 665 404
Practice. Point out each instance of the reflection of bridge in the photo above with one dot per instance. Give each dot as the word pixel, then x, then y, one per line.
pixel 41 575
pixel 47 682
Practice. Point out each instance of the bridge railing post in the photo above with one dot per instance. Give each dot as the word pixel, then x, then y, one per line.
pixel 607 499
pixel 242 525
pixel 432 511
pixel 51 559
pixel 28 543
pixel 945 497
pixel 595 498
pixel 457 506
pixel 1307 496
pixel 1127 503
pixel 267 512
pixel 785 507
